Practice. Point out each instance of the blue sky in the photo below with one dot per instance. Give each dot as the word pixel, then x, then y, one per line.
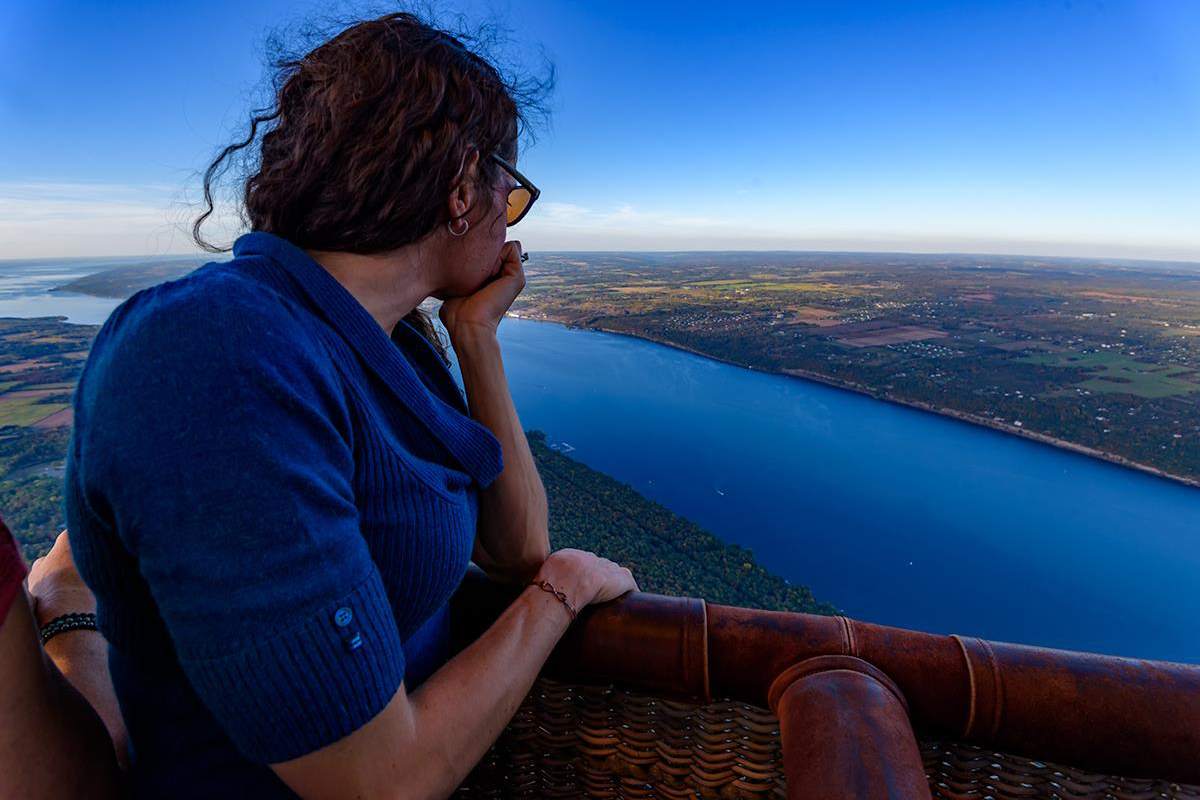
pixel 1007 127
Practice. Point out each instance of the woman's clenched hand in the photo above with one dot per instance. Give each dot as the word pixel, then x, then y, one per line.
pixel 483 310
pixel 587 577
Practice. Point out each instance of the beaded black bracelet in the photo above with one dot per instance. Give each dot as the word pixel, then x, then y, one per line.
pixel 561 595
pixel 68 622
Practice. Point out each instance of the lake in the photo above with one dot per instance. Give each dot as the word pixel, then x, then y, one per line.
pixel 895 515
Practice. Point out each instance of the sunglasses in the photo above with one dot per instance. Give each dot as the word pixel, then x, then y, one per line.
pixel 521 197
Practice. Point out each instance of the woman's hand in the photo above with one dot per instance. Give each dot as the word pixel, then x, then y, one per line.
pixel 587 577
pixel 55 586
pixel 483 310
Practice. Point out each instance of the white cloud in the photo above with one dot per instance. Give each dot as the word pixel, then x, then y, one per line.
pixel 623 217
pixel 46 218
pixel 559 212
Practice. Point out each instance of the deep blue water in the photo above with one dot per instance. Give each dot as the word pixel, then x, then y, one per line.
pixel 895 515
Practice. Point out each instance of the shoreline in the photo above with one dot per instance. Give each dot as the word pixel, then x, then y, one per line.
pixel 941 411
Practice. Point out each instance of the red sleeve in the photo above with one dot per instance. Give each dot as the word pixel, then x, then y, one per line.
pixel 12 571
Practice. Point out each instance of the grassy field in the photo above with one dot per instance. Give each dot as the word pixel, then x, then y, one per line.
pixel 1118 373
pixel 26 410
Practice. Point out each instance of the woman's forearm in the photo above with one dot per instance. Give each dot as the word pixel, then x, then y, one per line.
pixel 464 706
pixel 513 519
pixel 421 746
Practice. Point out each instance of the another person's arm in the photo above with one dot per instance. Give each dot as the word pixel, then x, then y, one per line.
pixel 52 744
pixel 55 588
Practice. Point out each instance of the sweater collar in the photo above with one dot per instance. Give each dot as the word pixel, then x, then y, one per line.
pixel 471 443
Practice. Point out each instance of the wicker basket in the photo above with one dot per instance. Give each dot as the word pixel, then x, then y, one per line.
pixel 657 696
pixel 570 740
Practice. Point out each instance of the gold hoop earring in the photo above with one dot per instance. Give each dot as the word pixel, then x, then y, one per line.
pixel 450 227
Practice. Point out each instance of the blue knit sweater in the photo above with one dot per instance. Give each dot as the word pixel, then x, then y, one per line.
pixel 273 503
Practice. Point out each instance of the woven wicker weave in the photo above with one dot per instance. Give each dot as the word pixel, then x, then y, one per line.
pixel 574 741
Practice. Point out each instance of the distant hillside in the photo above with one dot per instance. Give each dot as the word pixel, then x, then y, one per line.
pixel 120 282
pixel 666 553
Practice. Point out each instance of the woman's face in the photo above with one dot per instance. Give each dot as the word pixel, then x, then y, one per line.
pixel 473 258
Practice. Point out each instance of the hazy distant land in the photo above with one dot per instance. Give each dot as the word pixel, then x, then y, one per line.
pixel 120 282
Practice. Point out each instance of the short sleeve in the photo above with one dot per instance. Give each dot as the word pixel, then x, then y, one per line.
pixel 12 571
pixel 213 441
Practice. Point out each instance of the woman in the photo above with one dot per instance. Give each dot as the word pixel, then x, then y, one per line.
pixel 274 485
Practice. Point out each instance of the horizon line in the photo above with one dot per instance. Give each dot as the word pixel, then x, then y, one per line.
pixel 218 256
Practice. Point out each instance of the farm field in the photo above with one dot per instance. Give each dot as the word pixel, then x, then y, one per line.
pixel 40 360
pixel 1116 373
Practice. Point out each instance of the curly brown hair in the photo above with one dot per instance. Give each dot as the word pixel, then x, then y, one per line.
pixel 368 134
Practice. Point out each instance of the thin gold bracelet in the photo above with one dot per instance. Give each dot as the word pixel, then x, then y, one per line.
pixel 547 586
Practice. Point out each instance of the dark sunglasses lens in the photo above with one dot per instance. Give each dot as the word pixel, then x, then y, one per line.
pixel 518 202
